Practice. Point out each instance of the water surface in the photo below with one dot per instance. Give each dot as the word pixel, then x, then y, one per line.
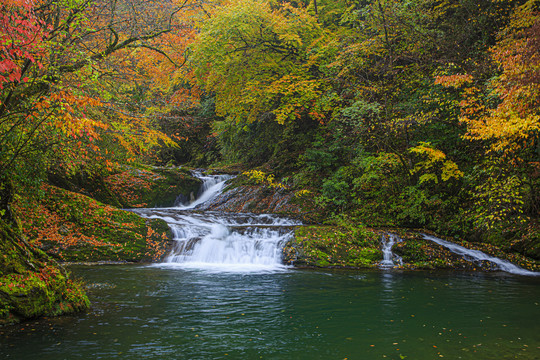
pixel 159 312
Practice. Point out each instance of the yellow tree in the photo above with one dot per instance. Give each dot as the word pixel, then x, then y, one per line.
pixel 509 179
pixel 260 58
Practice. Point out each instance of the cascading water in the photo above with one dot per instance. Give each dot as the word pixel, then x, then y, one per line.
pixel 476 256
pixel 212 186
pixel 223 241
pixel 389 259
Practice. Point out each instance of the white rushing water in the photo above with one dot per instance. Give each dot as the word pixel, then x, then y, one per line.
pixel 211 187
pixel 216 241
pixel 477 255
pixel 389 258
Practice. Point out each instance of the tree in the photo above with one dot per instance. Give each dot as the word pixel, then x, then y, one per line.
pixel 57 59
pixel 503 116
pixel 260 59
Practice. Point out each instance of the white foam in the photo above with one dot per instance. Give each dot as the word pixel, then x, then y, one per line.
pixel 476 255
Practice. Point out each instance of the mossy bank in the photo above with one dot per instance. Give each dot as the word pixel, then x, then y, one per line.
pixel 355 246
pixel 72 227
pixel 131 187
pixel 31 283
pixel 55 224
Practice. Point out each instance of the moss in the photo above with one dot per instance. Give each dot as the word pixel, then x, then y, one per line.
pixel 156 187
pixel 133 187
pixel 31 283
pixel 333 246
pixel 423 254
pixel 418 253
pixel 73 227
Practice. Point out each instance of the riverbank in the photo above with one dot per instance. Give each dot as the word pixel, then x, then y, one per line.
pixel 70 227
pixel 358 247
pixel 31 283
pixel 54 225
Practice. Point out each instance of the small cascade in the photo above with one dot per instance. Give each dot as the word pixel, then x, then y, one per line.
pixel 389 258
pixel 223 241
pixel 477 256
pixel 212 186
pixel 228 247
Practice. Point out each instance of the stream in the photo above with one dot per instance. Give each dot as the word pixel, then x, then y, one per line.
pixel 223 293
pixel 223 242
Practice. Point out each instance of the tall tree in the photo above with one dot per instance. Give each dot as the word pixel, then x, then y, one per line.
pixel 260 59
pixel 55 107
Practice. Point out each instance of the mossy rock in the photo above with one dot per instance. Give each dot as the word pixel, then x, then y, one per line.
pixel 419 253
pixel 75 228
pixel 31 283
pixel 261 199
pixel 156 187
pixel 333 246
pixel 133 187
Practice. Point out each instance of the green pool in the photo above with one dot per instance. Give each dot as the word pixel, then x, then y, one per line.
pixel 153 312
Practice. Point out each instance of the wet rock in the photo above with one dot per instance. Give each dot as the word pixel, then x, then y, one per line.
pixel 261 199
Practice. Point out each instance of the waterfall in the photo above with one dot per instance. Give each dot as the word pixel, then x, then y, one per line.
pixel 476 255
pixel 227 247
pixel 217 241
pixel 211 187
pixel 389 259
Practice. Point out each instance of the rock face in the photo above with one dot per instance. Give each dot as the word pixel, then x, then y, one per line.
pixel 31 283
pixel 261 199
pixel 73 227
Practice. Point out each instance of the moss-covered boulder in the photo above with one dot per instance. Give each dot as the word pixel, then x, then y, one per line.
pixel 334 246
pixel 72 227
pixel 31 283
pixel 133 187
pixel 156 187
pixel 419 253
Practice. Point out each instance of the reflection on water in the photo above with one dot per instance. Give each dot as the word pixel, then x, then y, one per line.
pixel 153 312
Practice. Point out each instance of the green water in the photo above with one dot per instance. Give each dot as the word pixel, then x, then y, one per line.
pixel 143 312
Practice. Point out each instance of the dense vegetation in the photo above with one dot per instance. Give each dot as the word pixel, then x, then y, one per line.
pixel 388 113
pixel 395 113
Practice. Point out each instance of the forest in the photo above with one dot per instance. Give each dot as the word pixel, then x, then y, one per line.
pixel 384 113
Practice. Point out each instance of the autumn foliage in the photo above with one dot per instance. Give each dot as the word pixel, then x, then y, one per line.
pixel 419 113
pixel 73 227
pixel 395 113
